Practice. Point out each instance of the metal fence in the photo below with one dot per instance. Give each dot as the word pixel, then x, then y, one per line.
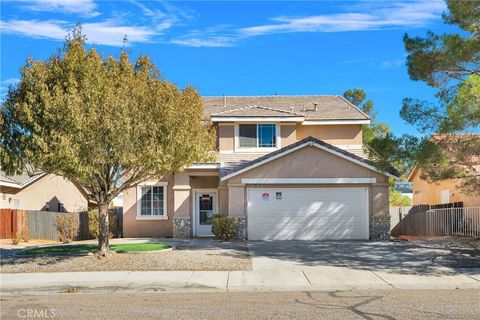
pixel 424 220
pixel 453 222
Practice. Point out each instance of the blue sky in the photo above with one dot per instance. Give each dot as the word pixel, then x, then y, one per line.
pixel 241 48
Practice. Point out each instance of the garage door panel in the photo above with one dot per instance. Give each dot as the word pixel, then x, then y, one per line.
pixel 301 213
pixel 305 222
pixel 308 214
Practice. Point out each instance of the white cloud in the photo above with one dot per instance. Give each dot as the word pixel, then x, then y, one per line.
pixel 392 64
pixel 360 17
pixel 162 19
pixel 8 82
pixel 110 32
pixel 86 8
pixel 52 29
pixel 204 42
pixel 5 84
pixel 409 14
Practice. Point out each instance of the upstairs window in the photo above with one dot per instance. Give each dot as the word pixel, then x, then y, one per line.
pixel 257 135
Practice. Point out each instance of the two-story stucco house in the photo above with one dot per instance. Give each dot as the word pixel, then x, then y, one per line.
pixel 289 167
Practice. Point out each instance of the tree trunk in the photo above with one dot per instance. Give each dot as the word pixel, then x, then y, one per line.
pixel 103 242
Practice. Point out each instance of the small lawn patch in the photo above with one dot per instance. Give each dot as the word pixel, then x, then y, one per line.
pixel 86 248
pixel 135 247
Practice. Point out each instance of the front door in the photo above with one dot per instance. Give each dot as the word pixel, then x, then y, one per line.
pixel 205 209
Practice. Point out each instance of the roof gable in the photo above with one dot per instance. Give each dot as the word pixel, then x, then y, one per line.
pixel 309 141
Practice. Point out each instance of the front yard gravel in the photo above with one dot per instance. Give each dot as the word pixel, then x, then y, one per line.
pixel 180 259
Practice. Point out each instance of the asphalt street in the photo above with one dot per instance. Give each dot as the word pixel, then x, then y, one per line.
pixel 372 304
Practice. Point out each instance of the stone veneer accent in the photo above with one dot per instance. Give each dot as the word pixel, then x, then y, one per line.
pixel 380 228
pixel 182 227
pixel 241 233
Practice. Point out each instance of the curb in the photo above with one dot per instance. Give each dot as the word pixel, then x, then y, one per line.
pixel 149 287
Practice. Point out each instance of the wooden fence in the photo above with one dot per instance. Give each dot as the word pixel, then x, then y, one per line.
pixel 408 220
pixel 42 224
pixel 8 223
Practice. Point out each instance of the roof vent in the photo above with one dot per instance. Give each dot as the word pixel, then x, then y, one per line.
pixel 315 106
pixel 224 101
pixel 291 109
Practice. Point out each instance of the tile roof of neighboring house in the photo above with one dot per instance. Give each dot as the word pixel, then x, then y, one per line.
pixel 312 107
pixel 6 179
pixel 223 173
pixel 20 180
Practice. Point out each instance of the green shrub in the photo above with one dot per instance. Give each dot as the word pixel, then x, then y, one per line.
pixel 67 227
pixel 94 224
pixel 224 227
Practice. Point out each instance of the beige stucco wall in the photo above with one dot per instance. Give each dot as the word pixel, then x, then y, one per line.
pixel 226 140
pixel 291 132
pixel 50 188
pixel 430 193
pixel 223 199
pixel 333 134
pixel 147 228
pixel 180 190
pixel 311 162
pixel 288 134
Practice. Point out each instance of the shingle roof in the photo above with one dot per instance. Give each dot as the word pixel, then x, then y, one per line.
pixel 230 161
pixel 22 179
pixel 6 179
pixel 256 111
pixel 327 107
pixel 247 164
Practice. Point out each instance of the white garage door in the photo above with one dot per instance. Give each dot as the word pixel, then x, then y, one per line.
pixel 307 213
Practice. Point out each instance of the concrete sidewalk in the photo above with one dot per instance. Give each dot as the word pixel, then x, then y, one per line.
pixel 307 279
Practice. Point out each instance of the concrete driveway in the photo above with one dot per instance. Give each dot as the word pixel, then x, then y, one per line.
pixel 367 263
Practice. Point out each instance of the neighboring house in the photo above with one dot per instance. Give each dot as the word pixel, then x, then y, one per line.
pixel 442 192
pixel 288 167
pixel 41 192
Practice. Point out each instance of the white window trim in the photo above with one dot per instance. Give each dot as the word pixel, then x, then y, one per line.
pixel 256 119
pixel 257 149
pixel 333 122
pixel 308 180
pixel 139 197
pixel 445 196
